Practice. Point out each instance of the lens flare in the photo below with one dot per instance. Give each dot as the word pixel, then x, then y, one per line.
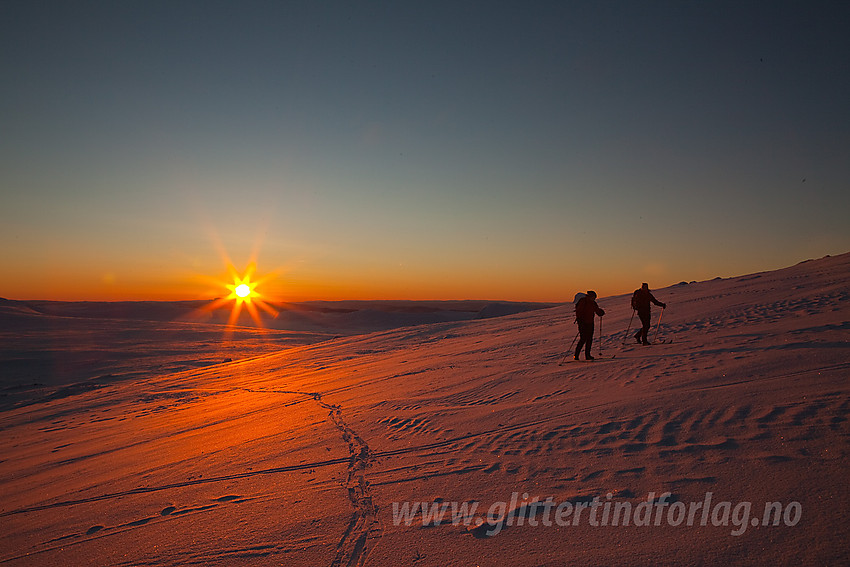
pixel 244 293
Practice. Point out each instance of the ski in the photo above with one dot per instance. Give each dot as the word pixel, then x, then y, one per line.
pixel 658 342
pixel 582 360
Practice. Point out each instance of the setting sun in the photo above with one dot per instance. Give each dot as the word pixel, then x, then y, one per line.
pixel 243 289
pixel 244 293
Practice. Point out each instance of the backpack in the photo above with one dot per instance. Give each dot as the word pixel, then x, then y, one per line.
pixel 577 300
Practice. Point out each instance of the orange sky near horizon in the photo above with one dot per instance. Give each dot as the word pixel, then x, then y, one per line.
pixel 417 150
pixel 204 277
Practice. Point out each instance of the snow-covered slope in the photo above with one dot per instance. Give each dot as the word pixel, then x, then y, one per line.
pixel 323 454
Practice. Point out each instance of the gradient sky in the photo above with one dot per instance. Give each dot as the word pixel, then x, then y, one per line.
pixel 430 150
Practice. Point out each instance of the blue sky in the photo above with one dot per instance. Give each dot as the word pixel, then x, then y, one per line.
pixel 419 150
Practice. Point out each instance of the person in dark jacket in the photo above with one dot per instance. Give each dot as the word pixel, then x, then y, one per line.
pixel 641 302
pixel 586 310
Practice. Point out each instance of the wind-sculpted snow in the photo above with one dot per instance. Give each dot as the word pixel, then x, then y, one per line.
pixel 438 444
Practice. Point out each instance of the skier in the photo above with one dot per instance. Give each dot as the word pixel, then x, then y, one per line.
pixel 586 309
pixel 641 302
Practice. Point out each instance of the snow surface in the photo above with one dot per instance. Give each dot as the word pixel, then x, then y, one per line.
pixel 296 457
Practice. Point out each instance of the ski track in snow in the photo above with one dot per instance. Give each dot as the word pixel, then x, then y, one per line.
pixel 364 525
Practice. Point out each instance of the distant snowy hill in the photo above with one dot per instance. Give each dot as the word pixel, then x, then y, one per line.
pixel 345 317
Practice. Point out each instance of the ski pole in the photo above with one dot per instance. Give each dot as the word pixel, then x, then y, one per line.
pixel 600 337
pixel 629 328
pixel 659 325
pixel 566 354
